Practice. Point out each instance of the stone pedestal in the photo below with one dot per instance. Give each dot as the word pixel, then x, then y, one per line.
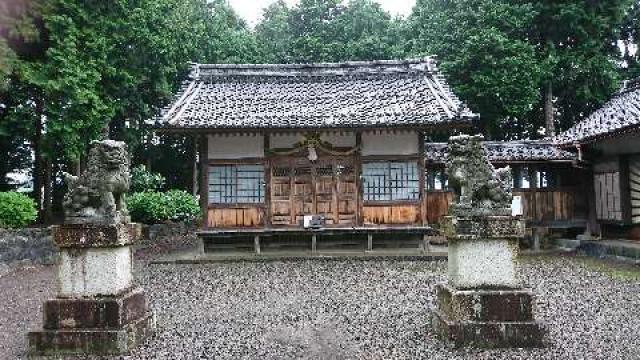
pixel 97 310
pixel 483 304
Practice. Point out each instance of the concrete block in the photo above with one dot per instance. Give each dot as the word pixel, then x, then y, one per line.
pixel 483 264
pixel 94 271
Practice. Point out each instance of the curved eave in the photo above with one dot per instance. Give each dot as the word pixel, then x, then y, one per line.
pixel 590 140
pixel 462 123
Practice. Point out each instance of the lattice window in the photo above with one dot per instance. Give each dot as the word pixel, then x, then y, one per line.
pixel 390 181
pixel 521 177
pixel 236 184
pixel 436 180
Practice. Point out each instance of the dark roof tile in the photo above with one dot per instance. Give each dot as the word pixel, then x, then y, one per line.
pixel 330 95
pixel 509 151
pixel 620 114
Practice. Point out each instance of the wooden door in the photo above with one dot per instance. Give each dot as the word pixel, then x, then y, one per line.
pixel 281 213
pixel 347 191
pixel 325 187
pixel 324 179
pixel 303 192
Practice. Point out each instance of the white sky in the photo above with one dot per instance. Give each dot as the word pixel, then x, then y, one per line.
pixel 251 10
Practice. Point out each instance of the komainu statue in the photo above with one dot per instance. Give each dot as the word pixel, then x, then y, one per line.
pixel 482 189
pixel 98 194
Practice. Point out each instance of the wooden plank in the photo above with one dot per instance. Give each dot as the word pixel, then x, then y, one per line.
pixel 249 217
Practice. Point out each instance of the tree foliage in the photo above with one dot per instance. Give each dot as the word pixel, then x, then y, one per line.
pixel 328 30
pixel 481 46
pixel 503 56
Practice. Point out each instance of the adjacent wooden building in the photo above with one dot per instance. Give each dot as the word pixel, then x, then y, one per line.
pixel 344 141
pixel 548 182
pixel 608 141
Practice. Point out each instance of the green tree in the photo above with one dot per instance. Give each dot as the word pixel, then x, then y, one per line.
pixel 576 42
pixel 630 41
pixel 110 65
pixel 328 31
pixel 482 47
pixel 525 66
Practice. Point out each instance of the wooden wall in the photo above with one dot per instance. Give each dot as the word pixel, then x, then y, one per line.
pixel 539 206
pixel 634 187
pixel 557 205
pixel 249 217
pixel 437 205
pixel 391 214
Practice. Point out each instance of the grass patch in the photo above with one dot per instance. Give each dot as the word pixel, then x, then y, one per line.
pixel 615 270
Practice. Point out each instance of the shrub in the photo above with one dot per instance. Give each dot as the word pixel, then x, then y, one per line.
pixel 16 210
pixel 156 207
pixel 143 180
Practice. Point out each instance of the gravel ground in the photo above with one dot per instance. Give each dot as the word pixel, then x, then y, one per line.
pixel 344 309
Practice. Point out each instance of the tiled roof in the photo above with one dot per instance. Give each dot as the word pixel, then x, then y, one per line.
pixel 508 151
pixel 306 96
pixel 621 114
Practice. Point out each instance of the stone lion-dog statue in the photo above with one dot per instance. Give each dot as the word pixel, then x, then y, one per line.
pixel 482 189
pixel 98 194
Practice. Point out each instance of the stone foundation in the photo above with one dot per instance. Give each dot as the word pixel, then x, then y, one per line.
pixel 486 318
pixel 97 311
pixel 97 341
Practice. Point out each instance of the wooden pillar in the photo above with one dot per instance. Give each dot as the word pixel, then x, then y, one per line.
pixel 194 184
pixel 357 166
pixel 369 242
pixel 314 243
pixel 588 186
pixel 421 177
pixel 256 244
pixel 625 190
pixel 267 181
pixel 203 157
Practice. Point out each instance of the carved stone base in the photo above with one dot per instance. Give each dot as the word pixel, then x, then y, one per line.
pixel 486 318
pixel 99 326
pixel 96 235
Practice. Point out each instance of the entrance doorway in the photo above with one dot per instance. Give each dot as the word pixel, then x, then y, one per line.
pixel 325 187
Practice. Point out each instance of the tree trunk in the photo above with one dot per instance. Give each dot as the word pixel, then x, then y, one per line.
pixel 37 158
pixel 549 121
pixel 48 194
